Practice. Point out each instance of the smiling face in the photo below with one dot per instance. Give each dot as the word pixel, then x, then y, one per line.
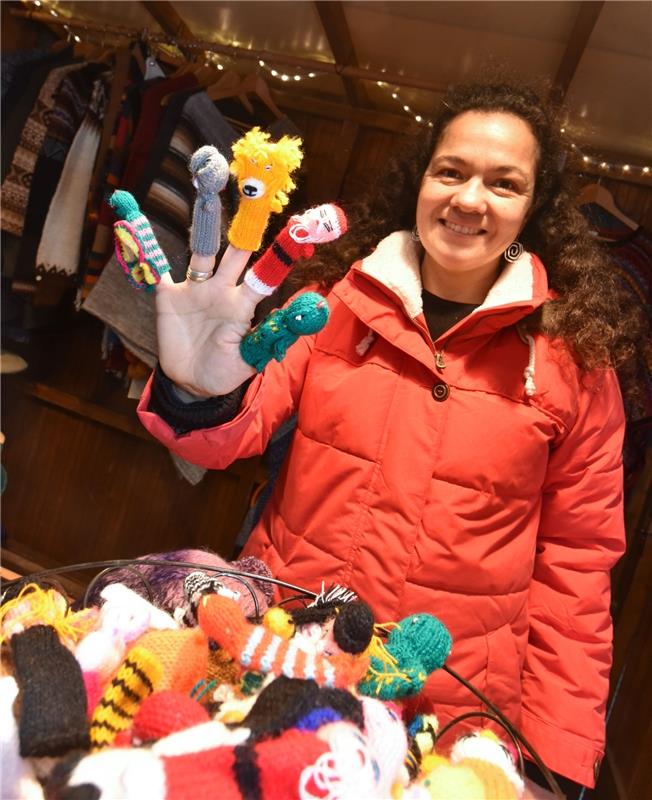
pixel 474 200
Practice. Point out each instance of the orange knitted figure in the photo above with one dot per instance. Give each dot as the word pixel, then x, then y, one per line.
pixel 262 170
pixel 183 655
pixel 257 648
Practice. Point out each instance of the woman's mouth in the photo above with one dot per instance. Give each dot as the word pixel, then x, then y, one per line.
pixel 465 230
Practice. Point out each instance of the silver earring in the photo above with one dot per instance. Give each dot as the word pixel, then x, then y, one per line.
pixel 414 233
pixel 514 251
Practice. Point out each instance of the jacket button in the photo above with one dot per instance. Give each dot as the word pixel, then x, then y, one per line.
pixel 440 391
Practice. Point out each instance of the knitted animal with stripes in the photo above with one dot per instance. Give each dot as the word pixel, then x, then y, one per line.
pixel 136 679
pixel 317 225
pixel 136 248
pixel 257 648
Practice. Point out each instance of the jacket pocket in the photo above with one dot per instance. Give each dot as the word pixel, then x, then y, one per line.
pixel 504 668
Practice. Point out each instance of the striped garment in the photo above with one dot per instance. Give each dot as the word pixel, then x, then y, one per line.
pixel 257 648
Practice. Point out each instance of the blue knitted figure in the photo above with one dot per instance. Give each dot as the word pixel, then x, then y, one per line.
pixel 306 314
pixel 415 647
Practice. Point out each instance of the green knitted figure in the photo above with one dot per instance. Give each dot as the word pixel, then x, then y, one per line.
pixel 136 248
pixel 306 314
pixel 415 647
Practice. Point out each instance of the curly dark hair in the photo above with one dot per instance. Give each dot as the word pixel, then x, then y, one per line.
pixel 591 314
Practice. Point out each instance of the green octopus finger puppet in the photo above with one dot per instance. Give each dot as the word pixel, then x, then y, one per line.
pixel 416 646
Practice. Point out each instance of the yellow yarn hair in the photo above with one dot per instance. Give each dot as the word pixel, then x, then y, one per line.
pixel 36 606
pixel 137 678
pixel 265 163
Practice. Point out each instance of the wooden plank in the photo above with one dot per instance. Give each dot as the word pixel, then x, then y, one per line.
pixel 88 410
pixel 170 22
pixel 396 123
pixel 587 16
pixel 338 35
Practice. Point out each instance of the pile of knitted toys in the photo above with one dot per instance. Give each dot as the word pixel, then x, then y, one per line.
pixel 165 686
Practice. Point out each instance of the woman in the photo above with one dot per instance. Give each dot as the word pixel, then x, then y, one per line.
pixel 458 443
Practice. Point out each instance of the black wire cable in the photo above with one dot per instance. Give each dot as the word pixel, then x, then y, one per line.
pixel 508 725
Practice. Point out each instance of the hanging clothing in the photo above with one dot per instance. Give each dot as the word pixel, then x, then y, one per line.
pixel 15 188
pixel 57 258
pixel 449 489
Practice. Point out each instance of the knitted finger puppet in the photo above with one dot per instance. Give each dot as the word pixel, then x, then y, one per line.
pixel 270 769
pixel 165 582
pixel 255 647
pixel 137 678
pixel 36 606
pixel 415 647
pixel 484 753
pixel 263 171
pixel 388 744
pixel 293 703
pixel 323 223
pixel 53 710
pixel 136 248
pixel 18 779
pixel 210 173
pixel 305 315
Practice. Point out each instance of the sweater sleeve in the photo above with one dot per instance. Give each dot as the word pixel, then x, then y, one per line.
pixel 216 441
pixel 581 536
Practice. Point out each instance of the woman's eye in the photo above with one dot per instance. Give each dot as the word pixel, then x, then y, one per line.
pixel 505 183
pixel 449 172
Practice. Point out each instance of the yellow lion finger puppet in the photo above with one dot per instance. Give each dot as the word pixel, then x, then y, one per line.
pixel 263 170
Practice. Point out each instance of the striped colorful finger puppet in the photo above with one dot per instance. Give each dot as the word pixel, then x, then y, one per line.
pixel 257 648
pixel 263 171
pixel 297 240
pixel 305 315
pixel 136 248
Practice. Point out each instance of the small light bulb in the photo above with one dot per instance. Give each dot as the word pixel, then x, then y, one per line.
pixel 625 167
pixel 261 62
pixel 604 165
pixel 394 95
pixel 585 159
pixel 297 77
pixel 563 130
pixel 76 38
pixel 285 77
pixel 406 108
pixel 646 170
pixel 418 118
pixel 220 66
pixel 274 73
pixel 37 3
pixel 311 74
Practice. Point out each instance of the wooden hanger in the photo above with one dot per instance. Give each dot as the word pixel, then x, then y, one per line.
pixel 228 85
pixel 254 82
pixel 601 196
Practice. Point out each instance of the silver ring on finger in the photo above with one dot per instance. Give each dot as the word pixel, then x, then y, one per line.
pixel 197 275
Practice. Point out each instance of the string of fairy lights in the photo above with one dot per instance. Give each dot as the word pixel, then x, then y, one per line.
pixel 286 76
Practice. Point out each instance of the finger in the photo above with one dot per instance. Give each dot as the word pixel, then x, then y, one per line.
pixel 232 264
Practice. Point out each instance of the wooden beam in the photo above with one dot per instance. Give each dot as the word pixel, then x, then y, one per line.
pixel 338 35
pixel 587 16
pixel 395 123
pixel 165 14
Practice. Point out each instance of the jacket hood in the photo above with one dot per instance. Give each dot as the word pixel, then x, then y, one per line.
pixel 396 264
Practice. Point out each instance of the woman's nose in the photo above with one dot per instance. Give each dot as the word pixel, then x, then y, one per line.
pixel 470 197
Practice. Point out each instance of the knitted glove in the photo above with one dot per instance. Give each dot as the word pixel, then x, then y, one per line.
pixel 136 248
pixel 210 173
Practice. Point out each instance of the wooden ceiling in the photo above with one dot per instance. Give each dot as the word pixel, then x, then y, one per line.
pixel 598 54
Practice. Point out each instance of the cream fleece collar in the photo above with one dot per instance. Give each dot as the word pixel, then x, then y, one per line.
pixel 396 264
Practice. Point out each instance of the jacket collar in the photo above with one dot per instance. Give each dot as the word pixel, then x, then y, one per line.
pixel 396 264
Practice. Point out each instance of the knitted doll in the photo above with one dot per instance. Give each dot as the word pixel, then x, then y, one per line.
pixel 257 648
pixel 263 171
pixel 305 315
pixel 210 173
pixel 415 647
pixel 136 247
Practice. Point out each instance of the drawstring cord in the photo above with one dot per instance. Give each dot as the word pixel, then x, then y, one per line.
pixel 528 372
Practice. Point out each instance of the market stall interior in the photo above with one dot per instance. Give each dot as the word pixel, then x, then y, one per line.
pixel 356 81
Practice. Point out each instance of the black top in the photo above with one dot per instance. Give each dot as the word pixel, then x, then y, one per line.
pixel 442 314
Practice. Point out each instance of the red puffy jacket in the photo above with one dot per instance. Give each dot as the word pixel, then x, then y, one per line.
pixel 426 478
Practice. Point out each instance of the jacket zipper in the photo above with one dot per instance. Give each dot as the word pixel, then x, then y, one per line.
pixel 439 359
